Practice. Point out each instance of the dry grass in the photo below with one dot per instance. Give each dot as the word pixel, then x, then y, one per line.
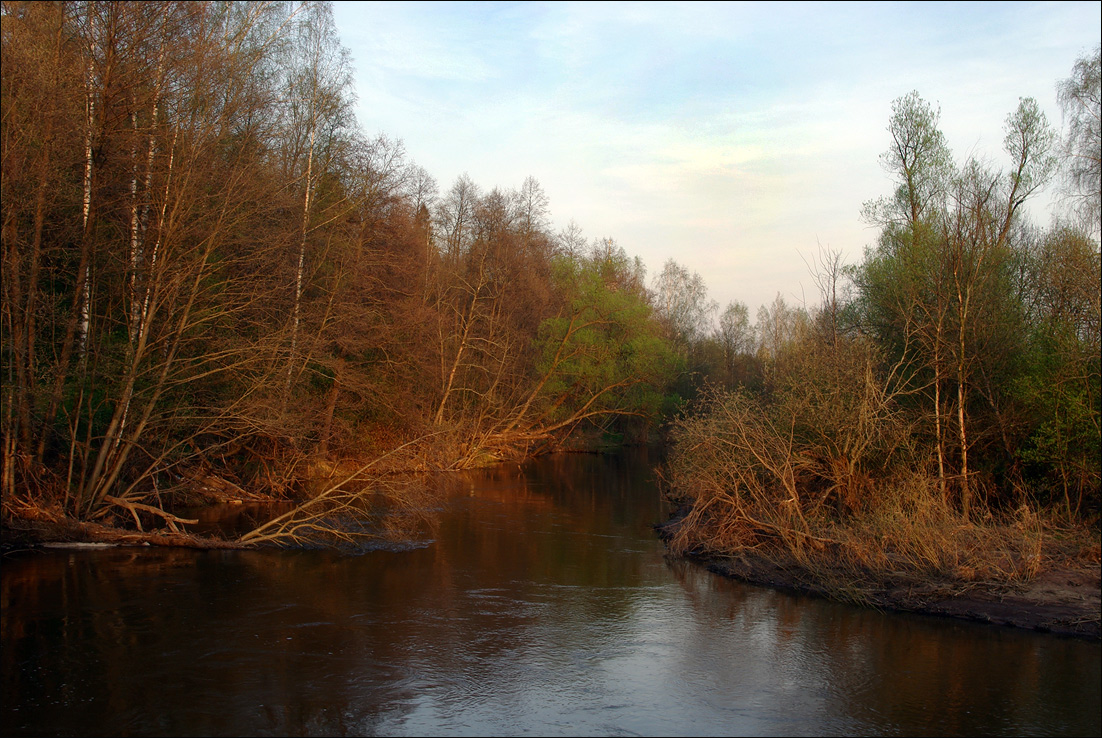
pixel 907 536
pixel 750 485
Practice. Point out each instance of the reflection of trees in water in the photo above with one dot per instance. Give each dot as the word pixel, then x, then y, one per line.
pixel 231 519
pixel 137 638
pixel 889 673
pixel 531 588
pixel 544 530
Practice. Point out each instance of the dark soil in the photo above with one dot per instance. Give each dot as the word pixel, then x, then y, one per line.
pixel 1063 599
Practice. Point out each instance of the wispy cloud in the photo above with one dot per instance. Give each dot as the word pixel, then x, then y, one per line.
pixel 730 136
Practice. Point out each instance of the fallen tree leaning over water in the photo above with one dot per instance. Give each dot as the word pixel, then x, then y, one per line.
pixel 358 508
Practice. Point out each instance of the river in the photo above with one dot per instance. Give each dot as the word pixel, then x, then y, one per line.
pixel 540 602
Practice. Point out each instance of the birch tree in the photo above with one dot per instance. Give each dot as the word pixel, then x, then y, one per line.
pixel 682 303
pixel 1080 97
pixel 935 285
pixel 903 279
pixel 985 207
pixel 148 183
pixel 317 98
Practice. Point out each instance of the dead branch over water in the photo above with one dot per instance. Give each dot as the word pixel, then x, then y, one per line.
pixel 377 508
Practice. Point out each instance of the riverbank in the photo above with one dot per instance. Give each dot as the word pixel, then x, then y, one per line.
pixel 23 533
pixel 1064 598
pixel 891 542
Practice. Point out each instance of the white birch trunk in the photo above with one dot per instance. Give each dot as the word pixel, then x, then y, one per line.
pixel 86 296
pixel 297 309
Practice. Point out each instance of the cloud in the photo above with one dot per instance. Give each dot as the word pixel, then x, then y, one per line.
pixel 730 136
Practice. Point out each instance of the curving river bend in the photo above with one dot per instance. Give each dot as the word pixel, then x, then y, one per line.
pixel 541 603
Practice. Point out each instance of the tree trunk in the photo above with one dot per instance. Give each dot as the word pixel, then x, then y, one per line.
pixel 297 310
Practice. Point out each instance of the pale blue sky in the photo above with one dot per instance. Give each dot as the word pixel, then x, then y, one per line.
pixel 732 137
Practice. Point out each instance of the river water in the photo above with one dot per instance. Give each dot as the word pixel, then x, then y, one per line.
pixel 540 602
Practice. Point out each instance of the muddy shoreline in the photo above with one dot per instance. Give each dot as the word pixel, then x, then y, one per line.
pixel 1062 600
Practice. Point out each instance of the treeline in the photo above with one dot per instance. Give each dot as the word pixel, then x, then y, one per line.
pixel 213 279
pixel 945 389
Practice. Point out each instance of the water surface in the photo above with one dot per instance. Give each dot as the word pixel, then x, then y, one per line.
pixel 540 602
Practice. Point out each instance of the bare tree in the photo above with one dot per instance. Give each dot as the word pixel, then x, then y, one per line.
pixel 317 98
pixel 681 302
pixel 1080 97
pixel 777 327
pixel 735 332
pixel 154 152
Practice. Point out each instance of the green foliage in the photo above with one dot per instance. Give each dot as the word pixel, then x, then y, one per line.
pixel 1061 389
pixel 1064 446
pixel 604 352
pixel 969 357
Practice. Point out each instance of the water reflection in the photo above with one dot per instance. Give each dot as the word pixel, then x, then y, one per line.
pixel 230 519
pixel 539 601
pixel 897 673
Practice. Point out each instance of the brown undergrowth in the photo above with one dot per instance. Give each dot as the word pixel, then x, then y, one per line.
pixel 1063 599
pixel 349 512
pixel 909 535
pixel 1055 591
pixel 377 496
pixel 771 502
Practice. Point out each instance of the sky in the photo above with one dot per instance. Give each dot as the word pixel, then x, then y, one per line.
pixel 738 139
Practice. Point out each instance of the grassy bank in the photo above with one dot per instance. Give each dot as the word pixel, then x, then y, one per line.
pixel 775 503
